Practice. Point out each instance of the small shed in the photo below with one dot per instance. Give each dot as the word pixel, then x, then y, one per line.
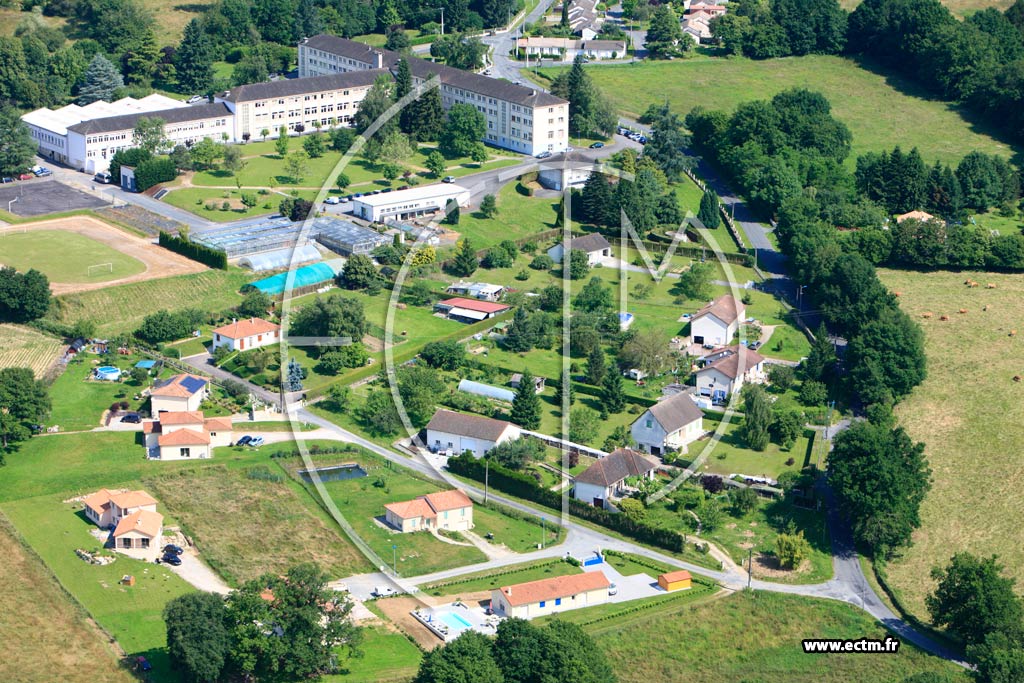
pixel 128 182
pixel 538 382
pixel 675 581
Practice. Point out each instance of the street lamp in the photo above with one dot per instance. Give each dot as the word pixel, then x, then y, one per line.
pixel 800 298
pixel 442 19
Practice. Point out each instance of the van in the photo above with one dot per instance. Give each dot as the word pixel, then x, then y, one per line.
pixel 102 177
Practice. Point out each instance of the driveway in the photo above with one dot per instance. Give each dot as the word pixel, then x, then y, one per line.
pixel 195 572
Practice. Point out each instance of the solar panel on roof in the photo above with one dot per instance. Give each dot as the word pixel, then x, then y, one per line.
pixel 193 384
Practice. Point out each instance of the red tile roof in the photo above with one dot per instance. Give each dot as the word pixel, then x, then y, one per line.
pixel 175 386
pixel 132 499
pixel 98 501
pixel 474 305
pixel 181 417
pixel 726 308
pixel 409 509
pixel 247 328
pixel 218 424
pixel 730 365
pixel 448 500
pixel 145 522
pixel 555 587
pixel 184 437
pixel 672 577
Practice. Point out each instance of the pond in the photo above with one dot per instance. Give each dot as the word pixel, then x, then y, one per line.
pixel 333 473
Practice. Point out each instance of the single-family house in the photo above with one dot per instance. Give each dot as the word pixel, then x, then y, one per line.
pixel 669 425
pixel 242 335
pixel 517 378
pixel 594 244
pixel 605 479
pixel 922 216
pixel 698 27
pixel 548 596
pixel 726 375
pixel 179 393
pixel 443 510
pixel 469 310
pixel 106 508
pixel 675 581
pixel 476 290
pixel 140 530
pixel 717 323
pixel 460 432
pixel 181 435
pixel 708 8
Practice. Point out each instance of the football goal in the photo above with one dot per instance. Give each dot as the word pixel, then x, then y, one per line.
pixel 100 268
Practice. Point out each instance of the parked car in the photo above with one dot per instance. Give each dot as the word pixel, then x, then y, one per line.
pixel 386 189
pixel 256 441
pixel 383 592
pixel 131 418
pixel 142 664
pixel 448 179
pixel 642 139
pixel 597 145
pixel 171 559
pixel 171 549
pixel 404 187
pixel 243 441
pixel 196 99
pixel 102 177
pixel 26 176
pixel 332 200
pixel 44 173
pixel 6 180
pixel 357 195
pixel 544 155
pixel 613 589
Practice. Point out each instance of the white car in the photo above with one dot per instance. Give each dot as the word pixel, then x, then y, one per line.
pixel 544 155
pixel 383 592
pixel 332 200
pixel 195 99
pixel 613 589
pixel 448 179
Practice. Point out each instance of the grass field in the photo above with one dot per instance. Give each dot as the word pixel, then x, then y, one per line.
pixel 517 535
pixel 969 413
pixel 388 657
pixel 753 637
pixel 66 645
pixel 881 111
pixel 66 257
pixel 248 508
pixel 23 347
pixel 961 8
pixel 731 456
pixel 482 581
pixel 122 308
pixel 518 216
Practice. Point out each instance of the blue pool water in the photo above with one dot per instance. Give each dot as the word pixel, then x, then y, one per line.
pixel 453 620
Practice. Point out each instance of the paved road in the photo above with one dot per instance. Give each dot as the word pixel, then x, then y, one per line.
pixel 502 43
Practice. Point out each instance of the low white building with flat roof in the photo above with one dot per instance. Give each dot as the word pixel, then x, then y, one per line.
pixel 405 204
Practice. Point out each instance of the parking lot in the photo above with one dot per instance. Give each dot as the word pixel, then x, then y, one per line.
pixel 41 196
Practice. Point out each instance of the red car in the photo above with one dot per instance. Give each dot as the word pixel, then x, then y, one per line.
pixel 26 176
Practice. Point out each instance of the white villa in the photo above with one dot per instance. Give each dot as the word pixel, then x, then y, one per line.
pixel 669 425
pixel 717 323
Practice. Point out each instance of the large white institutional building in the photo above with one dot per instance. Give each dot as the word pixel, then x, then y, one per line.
pixel 334 76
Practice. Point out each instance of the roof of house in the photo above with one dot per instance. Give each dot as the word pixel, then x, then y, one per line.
pixel 408 509
pixel 473 426
pixel 132 499
pixel 448 500
pixel 730 365
pixel 675 412
pixel 915 215
pixel 483 85
pixel 726 308
pixel 616 466
pixel 198 112
pixel 590 243
pixel 474 305
pixel 238 329
pixel 180 386
pixel 555 587
pixel 213 424
pixel 350 48
pixel 612 45
pixel 98 501
pixel 287 87
pixel 184 437
pixel 145 522
pixel 679 575
pixel 181 417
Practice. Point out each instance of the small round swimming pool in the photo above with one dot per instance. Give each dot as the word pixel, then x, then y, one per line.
pixel 108 372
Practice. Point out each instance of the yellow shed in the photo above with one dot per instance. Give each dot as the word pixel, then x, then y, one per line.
pixel 674 581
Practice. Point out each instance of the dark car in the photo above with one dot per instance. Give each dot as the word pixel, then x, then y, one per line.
pixel 171 549
pixel 6 180
pixel 386 189
pixel 171 559
pixel 404 187
pixel 131 418
pixel 142 664
pixel 243 441
pixel 597 145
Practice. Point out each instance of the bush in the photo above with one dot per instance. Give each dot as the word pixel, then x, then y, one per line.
pixel 197 252
pixel 153 171
pixel 542 262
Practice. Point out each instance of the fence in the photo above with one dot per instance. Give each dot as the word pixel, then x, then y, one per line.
pixel 729 223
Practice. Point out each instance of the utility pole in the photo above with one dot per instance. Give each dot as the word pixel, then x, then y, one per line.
pixel 543 532
pixel 394 560
pixel 750 565
pixel 442 19
pixel 487 476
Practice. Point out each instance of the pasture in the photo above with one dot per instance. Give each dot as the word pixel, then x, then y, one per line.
pixel 754 637
pixel 960 8
pixel 969 413
pixel 882 111
pixel 66 257
pixel 23 347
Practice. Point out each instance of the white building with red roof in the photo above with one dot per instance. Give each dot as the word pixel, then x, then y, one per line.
pixel 469 310
pixel 132 516
pixel 717 323
pixel 249 333
pixel 184 435
pixel 548 596
pixel 735 367
pixel 447 510
pixel 181 392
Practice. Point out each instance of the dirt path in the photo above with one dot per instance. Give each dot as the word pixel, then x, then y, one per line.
pixel 159 262
pixel 398 610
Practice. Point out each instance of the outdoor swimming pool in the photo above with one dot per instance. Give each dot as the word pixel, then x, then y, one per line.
pixel 334 473
pixel 453 620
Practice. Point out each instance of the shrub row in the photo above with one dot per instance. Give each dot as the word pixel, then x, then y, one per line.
pixel 524 486
pixel 197 252
pixel 154 171
pixel 649 604
pixel 506 572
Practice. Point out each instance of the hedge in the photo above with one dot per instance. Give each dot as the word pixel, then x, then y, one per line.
pixel 523 486
pixel 154 171
pixel 197 252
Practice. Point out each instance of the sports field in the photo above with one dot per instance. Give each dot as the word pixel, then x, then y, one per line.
pixel 882 111
pixel 23 347
pixel 66 256
pixel 969 413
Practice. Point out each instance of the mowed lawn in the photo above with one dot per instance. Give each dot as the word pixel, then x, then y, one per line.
pixel 754 637
pixel 961 8
pixel 970 414
pixel 880 115
pixel 122 308
pixel 66 257
pixel 23 347
pixel 518 216
pixel 65 645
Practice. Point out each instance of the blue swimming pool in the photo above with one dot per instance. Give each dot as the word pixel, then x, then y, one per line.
pixel 453 620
